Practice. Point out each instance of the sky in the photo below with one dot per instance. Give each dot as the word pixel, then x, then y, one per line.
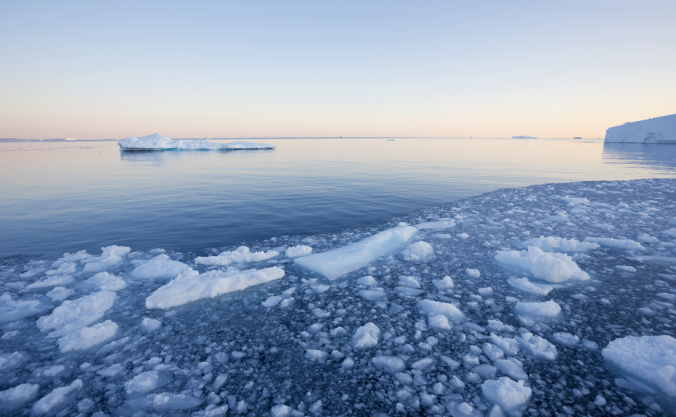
pixel 112 69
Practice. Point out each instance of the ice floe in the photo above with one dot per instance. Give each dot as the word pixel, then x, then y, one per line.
pixel 158 142
pixel 241 255
pixel 546 266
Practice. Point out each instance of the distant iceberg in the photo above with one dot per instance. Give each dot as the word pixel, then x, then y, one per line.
pixel 158 142
pixel 524 137
pixel 655 130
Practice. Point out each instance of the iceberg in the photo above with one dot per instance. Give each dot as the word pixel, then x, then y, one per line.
pixel 158 142
pixel 337 262
pixel 655 130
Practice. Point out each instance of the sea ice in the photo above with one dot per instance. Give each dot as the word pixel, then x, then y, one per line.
pixel 334 263
pixel 367 281
pixel 11 310
pixel 511 369
pixel 649 359
pixel 159 267
pixel 622 244
pixel 550 267
pixel 443 284
pixel 511 396
pixel 439 308
pixel 52 281
pixel 439 224
pixel 298 251
pixel 538 311
pixel 473 273
pixel 111 255
pixel 418 252
pixel 241 255
pixel 558 244
pixel 191 285
pixel 71 257
pixel 71 316
pixel 107 282
pixel 366 336
pixel 150 325
pixel 538 347
pixel 153 142
pixel 566 339
pixel 523 284
pixel 388 363
pixel 55 398
pixel 88 336
pixel 14 398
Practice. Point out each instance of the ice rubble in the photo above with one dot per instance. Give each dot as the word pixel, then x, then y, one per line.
pixel 158 142
pixel 461 333
pixel 655 130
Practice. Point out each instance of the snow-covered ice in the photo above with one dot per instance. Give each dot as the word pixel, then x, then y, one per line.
pixel 158 142
pixel 384 336
pixel 418 252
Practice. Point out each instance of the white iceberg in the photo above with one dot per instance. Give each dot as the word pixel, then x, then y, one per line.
pixel 546 266
pixel 158 142
pixel 192 286
pixel 655 130
pixel 334 263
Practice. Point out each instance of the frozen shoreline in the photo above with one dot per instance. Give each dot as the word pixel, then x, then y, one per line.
pixel 442 345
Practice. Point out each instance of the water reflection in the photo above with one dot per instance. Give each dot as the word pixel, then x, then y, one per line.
pixel 647 155
pixel 162 158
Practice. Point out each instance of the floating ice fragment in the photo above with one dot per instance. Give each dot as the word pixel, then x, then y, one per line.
pixel 566 339
pixel 55 398
pixel 550 267
pixel 368 281
pixel 438 322
pixel 366 336
pixel 314 354
pixel 463 235
pixel 408 281
pixel 71 316
pixel 66 268
pixel 473 273
pixel 71 257
pixel 159 267
pixel 111 255
pixel 511 396
pixel 625 268
pixel 11 310
pixel 622 244
pixel 110 371
pixel 240 255
pixel 14 398
pixel 538 347
pixel 297 251
pixel 443 284
pixel 191 285
pixel 511 369
pixel 525 285
pixel 439 224
pixel 88 336
pixel 649 359
pixel 558 244
pixel 439 308
pixel 508 345
pixel 143 382
pixel 107 282
pixel 334 263
pixel 388 363
pixel 153 142
pixel 150 325
pixel 538 311
pixel 418 252
pixel 574 200
pixel 374 294
pixel 52 281
pixel 271 301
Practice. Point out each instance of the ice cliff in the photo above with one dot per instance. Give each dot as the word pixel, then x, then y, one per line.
pixel 655 130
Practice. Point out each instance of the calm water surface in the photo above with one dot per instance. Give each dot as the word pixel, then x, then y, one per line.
pixel 65 196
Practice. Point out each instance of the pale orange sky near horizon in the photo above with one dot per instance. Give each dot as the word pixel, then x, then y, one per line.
pixel 353 69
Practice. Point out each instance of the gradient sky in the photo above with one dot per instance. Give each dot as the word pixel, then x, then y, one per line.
pixel 110 69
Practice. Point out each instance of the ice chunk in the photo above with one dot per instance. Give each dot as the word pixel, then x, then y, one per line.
pixel 648 359
pixel 368 281
pixel 550 267
pixel 538 311
pixel 366 336
pixel 271 301
pixel 88 337
pixel 473 273
pixel 558 244
pixel 111 255
pixel 150 325
pixel 55 398
pixel 418 252
pixel 192 286
pixel 525 285
pixel 388 363
pixel 52 281
pixel 314 354
pixel 66 268
pixel 622 244
pixel 143 382
pixel 573 201
pixel 154 142
pixel 439 308
pixel 334 263
pixel 107 282
pixel 71 257
pixel 73 315
pixel 11 360
pixel 656 130
pixel 298 251
pixel 511 396
pixel 492 352
pixel 485 370
pixel 566 339
pixel 11 310
pixel 408 281
pixel 510 368
pixel 240 255
pixel 111 370
pixel 14 398
pixel 159 267
pixel 58 294
pixel 508 345
pixel 438 322
pixel 538 347
pixel 439 224
pixel 463 235
pixel 443 284
pixel 374 294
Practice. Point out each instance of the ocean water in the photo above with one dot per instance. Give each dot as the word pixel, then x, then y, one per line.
pixel 66 196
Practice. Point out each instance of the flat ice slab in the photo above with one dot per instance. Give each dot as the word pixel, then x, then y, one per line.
pixel 655 130
pixel 334 263
pixel 158 142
